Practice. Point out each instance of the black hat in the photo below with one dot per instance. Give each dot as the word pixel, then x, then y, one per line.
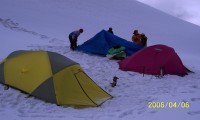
pixel 81 30
pixel 135 32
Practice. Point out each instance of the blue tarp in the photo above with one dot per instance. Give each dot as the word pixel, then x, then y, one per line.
pixel 103 41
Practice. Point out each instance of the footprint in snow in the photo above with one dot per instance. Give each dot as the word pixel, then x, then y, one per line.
pixel 194 113
pixel 126 113
pixel 195 99
pixel 195 86
pixel 153 112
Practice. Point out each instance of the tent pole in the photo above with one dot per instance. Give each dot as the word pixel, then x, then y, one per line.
pixel 143 70
pixel 161 71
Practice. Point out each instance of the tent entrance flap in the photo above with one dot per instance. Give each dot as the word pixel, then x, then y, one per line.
pixel 92 90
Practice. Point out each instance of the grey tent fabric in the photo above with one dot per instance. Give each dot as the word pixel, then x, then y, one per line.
pixel 2 73
pixel 17 53
pixel 46 91
pixel 55 60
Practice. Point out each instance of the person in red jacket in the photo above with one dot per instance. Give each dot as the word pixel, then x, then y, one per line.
pixel 73 36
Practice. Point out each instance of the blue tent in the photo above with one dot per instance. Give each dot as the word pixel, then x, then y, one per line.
pixel 103 41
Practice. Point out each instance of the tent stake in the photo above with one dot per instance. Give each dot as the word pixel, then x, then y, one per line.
pixel 6 87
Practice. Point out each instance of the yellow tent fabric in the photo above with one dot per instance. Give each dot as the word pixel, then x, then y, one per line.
pixel 51 77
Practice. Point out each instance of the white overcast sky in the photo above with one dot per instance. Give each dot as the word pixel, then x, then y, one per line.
pixel 188 10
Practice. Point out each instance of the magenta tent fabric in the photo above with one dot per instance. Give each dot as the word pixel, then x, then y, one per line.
pixel 152 59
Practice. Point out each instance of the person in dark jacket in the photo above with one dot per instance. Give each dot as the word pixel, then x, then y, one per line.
pixel 110 30
pixel 144 39
pixel 73 36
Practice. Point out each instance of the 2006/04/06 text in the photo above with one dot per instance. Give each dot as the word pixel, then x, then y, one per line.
pixel 168 105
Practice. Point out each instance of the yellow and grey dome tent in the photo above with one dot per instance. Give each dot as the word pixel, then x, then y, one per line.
pixel 51 77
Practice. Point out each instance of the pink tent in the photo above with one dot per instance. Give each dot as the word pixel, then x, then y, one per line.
pixel 155 60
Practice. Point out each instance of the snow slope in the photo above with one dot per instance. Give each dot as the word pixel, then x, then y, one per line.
pixel 45 24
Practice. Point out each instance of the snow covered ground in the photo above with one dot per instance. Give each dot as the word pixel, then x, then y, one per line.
pixel 45 24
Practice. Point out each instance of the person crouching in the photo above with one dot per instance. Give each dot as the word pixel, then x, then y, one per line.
pixel 73 36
